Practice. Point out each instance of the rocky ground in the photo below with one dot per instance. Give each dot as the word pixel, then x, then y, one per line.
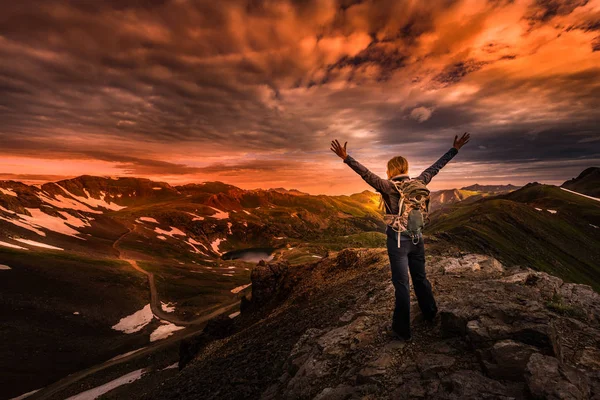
pixel 319 332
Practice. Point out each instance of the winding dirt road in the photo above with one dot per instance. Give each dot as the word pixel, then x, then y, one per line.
pixel 193 327
pixel 154 300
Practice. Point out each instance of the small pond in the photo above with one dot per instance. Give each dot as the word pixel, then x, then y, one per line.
pixel 253 255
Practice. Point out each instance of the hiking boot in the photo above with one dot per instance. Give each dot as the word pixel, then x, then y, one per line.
pixel 430 317
pixel 395 334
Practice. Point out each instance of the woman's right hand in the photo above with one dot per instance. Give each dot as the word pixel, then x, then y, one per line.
pixel 337 148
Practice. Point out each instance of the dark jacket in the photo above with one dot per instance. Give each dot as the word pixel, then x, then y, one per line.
pixel 386 188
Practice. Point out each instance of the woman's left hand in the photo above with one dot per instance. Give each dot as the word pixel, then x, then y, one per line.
pixel 458 143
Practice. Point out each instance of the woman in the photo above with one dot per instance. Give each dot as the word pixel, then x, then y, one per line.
pixel 408 256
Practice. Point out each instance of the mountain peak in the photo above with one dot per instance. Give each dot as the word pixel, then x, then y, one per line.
pixel 587 182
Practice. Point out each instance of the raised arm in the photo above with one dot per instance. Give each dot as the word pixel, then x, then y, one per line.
pixel 432 171
pixel 379 184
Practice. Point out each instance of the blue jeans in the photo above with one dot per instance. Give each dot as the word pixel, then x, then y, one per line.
pixel 408 257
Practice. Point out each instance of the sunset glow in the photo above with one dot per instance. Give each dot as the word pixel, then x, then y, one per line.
pixel 252 92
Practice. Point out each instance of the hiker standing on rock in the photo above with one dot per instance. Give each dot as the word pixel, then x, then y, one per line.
pixel 406 207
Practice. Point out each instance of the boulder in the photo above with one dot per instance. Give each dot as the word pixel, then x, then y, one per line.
pixel 454 322
pixel 376 367
pixel 584 298
pixel 590 358
pixel 267 279
pixel 338 341
pixel 547 379
pixel 507 360
pixel 471 263
pixel 467 384
pixel 340 392
pixel 430 365
pixel 415 388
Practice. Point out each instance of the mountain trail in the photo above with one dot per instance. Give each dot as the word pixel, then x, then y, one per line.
pixel 155 303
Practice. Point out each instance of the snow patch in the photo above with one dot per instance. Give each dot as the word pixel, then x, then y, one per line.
pixel 193 242
pixel 219 214
pixel 172 366
pixel 76 313
pixel 8 192
pixel 316 256
pixel 167 307
pixel 215 246
pixel 148 219
pixel 552 211
pixel 539 209
pixel 164 331
pixel 161 237
pixel 593 226
pixel 4 267
pixel 39 219
pixel 136 321
pixel 229 225
pixel 246 212
pixel 196 217
pixel 92 202
pixel 37 244
pixel 233 315
pixel 74 221
pixel 107 387
pixel 12 246
pixel 580 194
pixel 174 231
pixel 26 395
pixel 157 188
pixel 60 201
pixel 240 288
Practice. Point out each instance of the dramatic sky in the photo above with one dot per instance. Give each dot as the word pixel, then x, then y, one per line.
pixel 252 92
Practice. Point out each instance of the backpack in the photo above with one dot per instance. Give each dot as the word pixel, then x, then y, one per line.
pixel 413 209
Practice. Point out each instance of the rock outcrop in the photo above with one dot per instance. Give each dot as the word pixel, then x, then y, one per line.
pixel 501 334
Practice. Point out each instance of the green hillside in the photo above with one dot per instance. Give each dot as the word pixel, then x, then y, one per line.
pixel 510 227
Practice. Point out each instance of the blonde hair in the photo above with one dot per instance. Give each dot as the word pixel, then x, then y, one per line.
pixel 396 166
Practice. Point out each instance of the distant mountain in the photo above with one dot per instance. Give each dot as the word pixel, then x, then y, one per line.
pixel 77 257
pixel 290 191
pixel 540 226
pixel 588 182
pixel 490 188
pixel 468 194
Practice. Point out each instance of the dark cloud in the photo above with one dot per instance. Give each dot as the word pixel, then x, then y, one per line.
pixel 144 84
pixel 544 10
pixel 456 72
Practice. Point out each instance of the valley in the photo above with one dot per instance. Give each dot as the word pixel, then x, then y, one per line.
pixel 107 276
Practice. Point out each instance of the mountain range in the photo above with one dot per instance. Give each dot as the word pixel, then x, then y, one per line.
pixel 133 265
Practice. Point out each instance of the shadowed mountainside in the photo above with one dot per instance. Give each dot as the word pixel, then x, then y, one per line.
pixel 539 226
pixel 588 182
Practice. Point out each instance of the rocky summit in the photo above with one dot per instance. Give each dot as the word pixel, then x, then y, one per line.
pixel 318 331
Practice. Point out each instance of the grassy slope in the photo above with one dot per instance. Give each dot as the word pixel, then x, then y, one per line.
pixel 196 288
pixel 41 339
pixel 509 227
